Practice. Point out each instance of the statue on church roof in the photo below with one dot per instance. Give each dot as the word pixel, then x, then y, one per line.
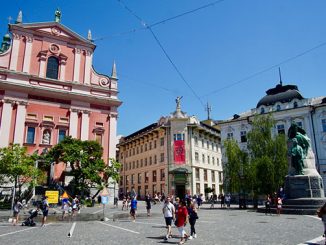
pixel 178 101
pixel 57 15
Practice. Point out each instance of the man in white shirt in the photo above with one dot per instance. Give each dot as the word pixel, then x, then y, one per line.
pixel 169 215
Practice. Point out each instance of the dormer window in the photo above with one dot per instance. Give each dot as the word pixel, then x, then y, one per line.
pixel 278 107
pixel 52 69
pixel 262 110
pixel 295 104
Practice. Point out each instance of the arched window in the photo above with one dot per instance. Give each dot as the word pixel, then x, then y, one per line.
pixel 278 107
pixel 52 69
pixel 295 104
pixel 262 110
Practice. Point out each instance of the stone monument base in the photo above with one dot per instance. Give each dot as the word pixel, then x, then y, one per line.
pixel 304 194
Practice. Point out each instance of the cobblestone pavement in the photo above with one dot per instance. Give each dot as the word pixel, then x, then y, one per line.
pixel 214 226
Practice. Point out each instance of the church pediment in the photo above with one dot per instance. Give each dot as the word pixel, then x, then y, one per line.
pixel 54 29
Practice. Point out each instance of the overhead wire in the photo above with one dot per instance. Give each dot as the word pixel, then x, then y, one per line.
pixel 265 70
pixel 163 49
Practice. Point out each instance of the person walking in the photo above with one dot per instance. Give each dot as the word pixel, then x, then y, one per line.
pixel 148 204
pixel 45 210
pixel 228 200
pixel 16 210
pixel 133 209
pixel 169 215
pixel 268 205
pixel 322 214
pixel 193 216
pixel 222 201
pixel 181 220
pixel 279 206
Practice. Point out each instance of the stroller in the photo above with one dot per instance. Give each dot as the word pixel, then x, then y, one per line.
pixel 30 220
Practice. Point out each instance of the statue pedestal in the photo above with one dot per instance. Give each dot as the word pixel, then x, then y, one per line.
pixel 304 186
pixel 304 194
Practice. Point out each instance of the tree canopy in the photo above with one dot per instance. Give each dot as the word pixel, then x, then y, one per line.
pixel 261 167
pixel 17 167
pixel 85 160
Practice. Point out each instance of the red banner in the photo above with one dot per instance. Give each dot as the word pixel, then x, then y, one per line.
pixel 179 152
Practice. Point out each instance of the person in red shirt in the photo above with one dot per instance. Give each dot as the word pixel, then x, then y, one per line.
pixel 182 220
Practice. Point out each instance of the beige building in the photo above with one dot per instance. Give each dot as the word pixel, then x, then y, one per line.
pixel 177 155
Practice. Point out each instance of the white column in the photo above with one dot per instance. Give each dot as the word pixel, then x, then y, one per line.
pixel 77 64
pixel 5 123
pixel 42 64
pixel 113 135
pixel 63 70
pixel 88 66
pixel 201 180
pixel 20 123
pixel 194 181
pixel 14 51
pixel 28 53
pixel 209 178
pixel 85 125
pixel 73 123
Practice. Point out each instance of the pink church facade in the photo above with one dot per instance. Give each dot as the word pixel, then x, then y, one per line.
pixel 49 90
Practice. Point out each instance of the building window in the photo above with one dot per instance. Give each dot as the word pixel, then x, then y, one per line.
pixel 220 176
pixel 139 178
pixel 213 176
pixel 208 160
pixel 203 158
pixel 154 176
pixel 197 173
pixel 161 141
pixel 146 177
pixel 52 68
pixel 98 139
pixel 198 188
pixel 137 164
pixel 278 107
pixel 229 136
pixel 218 161
pixel 280 129
pixel 196 156
pixel 162 174
pixel 243 135
pixel 196 141
pixel 62 135
pixel 295 104
pixel 162 157
pixel 133 165
pixel 178 137
pixel 150 145
pixel 205 175
pixel 145 162
pixel 262 110
pixel 154 144
pixel 30 135
pixel 323 122
pixel 213 160
pixel 121 181
pixel 203 143
pixel 155 159
pixel 141 163
pixel 150 161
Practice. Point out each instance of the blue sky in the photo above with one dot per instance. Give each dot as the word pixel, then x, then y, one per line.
pixel 215 49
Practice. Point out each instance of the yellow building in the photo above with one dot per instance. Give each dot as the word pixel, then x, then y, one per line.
pixel 176 155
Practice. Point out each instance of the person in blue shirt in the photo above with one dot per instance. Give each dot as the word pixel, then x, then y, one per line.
pixel 133 208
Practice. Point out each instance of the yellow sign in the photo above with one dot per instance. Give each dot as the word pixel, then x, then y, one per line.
pixel 64 195
pixel 53 196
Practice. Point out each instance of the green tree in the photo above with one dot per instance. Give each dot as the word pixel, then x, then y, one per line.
pixel 17 167
pixel 236 170
pixel 85 160
pixel 267 155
